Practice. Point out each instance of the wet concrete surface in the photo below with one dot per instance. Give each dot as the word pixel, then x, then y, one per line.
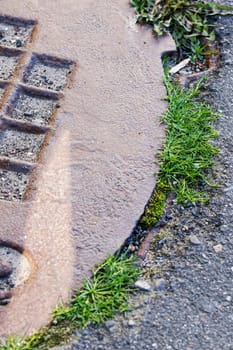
pixel 95 169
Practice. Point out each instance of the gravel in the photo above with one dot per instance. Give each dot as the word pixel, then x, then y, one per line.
pixel 20 145
pixel 15 33
pixel 30 106
pixel 48 72
pixel 193 308
pixel 13 184
pixel 8 64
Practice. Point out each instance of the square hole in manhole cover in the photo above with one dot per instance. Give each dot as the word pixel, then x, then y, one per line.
pixel 13 184
pixel 48 72
pixel 33 106
pixel 15 32
pixel 9 60
pixel 22 145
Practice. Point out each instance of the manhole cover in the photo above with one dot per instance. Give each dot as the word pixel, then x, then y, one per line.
pixel 15 269
pixel 76 150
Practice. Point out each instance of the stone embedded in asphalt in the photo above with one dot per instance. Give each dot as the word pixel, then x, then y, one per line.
pixel 131 323
pixel 160 284
pixel 5 269
pixel 110 325
pixel 207 307
pixel 194 240
pixel 174 286
pixel 218 248
pixel 143 285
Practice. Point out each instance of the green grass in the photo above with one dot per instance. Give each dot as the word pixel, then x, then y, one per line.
pixel 100 298
pixel 103 295
pixel 189 21
pixel 188 152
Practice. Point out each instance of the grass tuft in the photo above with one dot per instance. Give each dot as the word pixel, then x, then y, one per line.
pixel 102 296
pixel 188 152
pixel 99 299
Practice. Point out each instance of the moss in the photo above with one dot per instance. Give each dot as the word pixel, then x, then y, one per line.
pixel 156 206
pixel 44 339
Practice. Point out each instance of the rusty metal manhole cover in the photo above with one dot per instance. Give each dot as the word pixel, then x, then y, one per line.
pixel 76 160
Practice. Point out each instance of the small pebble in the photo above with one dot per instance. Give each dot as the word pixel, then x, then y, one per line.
pixel 19 43
pixel 194 240
pixel 143 285
pixel 131 323
pixel 132 248
pixel 207 307
pixel 110 325
pixel 160 284
pixel 218 248
pixel 174 286
pixel 100 336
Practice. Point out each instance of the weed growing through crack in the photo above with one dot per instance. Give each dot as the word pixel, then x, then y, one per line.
pixel 99 299
pixel 103 295
pixel 187 152
pixel 189 21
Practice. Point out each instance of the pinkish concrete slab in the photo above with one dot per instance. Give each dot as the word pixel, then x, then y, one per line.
pixel 95 175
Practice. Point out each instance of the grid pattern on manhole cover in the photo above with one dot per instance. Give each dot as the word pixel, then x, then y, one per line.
pixel 47 72
pixel 9 60
pixel 29 98
pixel 21 145
pixel 15 32
pixel 33 106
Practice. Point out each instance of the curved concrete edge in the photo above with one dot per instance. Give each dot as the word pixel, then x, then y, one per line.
pixel 97 173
